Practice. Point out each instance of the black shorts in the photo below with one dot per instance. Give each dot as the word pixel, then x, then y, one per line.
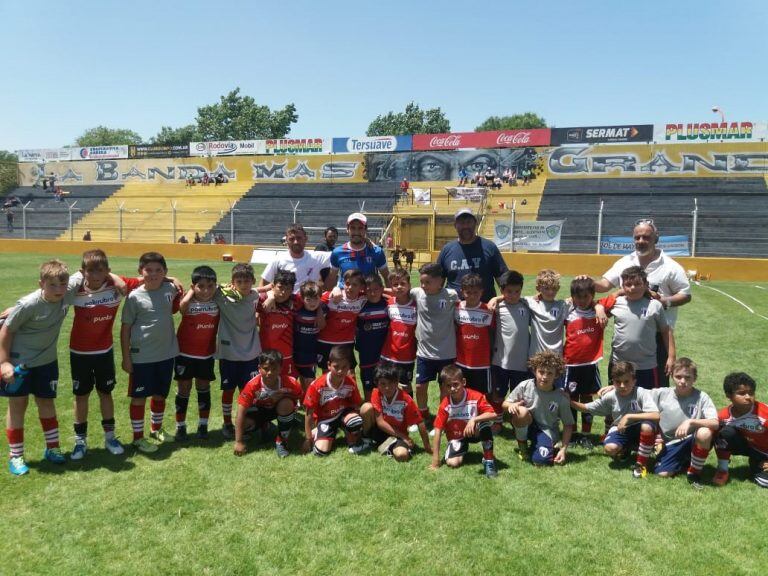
pixel 386 443
pixel 92 370
pixel 324 349
pixel 187 368
pixel 327 429
pixel 261 416
pixel 367 377
pixel 306 371
pixel 582 380
pixel 151 379
pixel 504 381
pixel 237 373
pixel 478 379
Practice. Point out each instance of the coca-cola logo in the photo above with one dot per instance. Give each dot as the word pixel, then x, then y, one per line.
pixel 505 139
pixel 449 141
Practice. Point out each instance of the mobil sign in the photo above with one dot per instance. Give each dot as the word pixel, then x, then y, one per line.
pixel 372 144
pixel 493 139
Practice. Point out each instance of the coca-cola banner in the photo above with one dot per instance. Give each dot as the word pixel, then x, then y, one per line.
pixel 494 139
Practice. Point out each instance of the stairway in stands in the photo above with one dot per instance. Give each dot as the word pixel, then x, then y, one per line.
pixel 525 198
pixel 148 215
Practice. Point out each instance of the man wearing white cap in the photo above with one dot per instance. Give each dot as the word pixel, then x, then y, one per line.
pixel 471 253
pixel 358 253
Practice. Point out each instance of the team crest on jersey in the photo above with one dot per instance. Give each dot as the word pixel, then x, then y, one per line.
pixel 443 304
pixel 169 298
pixel 521 312
pixel 634 406
pixel 692 410
pixel 554 312
pixel 553 406
pixel 643 312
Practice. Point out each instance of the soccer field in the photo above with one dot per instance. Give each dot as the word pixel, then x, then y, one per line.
pixel 197 509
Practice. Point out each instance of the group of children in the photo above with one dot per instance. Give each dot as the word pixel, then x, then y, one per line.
pixel 531 361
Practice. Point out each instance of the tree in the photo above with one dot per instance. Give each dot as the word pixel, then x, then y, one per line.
pixel 176 136
pixel 6 156
pixel 413 120
pixel 523 121
pixel 103 136
pixel 238 117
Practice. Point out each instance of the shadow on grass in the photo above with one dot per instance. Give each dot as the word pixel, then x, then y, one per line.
pixel 96 459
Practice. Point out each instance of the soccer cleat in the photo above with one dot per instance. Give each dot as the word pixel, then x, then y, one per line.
pixel 54 455
pixel 489 467
pixel 145 446
pixel 413 428
pixel 720 478
pixel 228 431
pixel 79 451
pixel 161 435
pixel 202 432
pixel 17 466
pixel 114 446
pixel 639 471
pixel 695 481
pixel 181 434
pixel 522 453
pixel 431 433
pixel 359 448
pixel 586 443
pixel 281 449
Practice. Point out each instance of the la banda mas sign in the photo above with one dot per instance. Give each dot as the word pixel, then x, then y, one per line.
pixel 494 139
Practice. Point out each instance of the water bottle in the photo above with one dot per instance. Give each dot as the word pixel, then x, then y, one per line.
pixel 19 372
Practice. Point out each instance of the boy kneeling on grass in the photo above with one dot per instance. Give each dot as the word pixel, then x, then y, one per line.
pixel 634 413
pixel 537 408
pixel 388 415
pixel 466 416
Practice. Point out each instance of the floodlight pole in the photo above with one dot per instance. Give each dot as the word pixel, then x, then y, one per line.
pixel 512 226
pixel 24 218
pixel 120 222
pixel 71 230
pixel 695 225
pixel 295 208
pixel 600 225
pixel 232 211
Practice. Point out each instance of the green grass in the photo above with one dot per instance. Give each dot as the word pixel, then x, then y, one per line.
pixel 198 509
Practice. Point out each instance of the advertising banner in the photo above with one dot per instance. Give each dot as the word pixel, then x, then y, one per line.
pixel 373 144
pixel 422 196
pixel 543 236
pixel 494 139
pixel 43 155
pixel 672 245
pixel 298 146
pixel 471 194
pixel 227 148
pixel 697 132
pixel 655 160
pixel 602 134
pixel 100 153
pixel 157 151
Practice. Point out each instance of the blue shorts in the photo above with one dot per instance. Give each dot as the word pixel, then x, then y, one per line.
pixel 428 370
pixel 675 457
pixel 582 380
pixel 648 379
pixel 629 439
pixel 504 381
pixel 542 447
pixel 237 373
pixel 151 379
pixel 40 381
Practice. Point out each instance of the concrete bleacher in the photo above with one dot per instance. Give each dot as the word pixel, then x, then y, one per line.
pixel 732 214
pixel 261 216
pixel 48 218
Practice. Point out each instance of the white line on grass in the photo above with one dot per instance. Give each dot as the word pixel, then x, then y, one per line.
pixel 735 300
pixel 761 287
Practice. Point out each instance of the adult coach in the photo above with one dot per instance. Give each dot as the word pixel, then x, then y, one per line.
pixel 359 252
pixel 471 253
pixel 666 278
pixel 306 265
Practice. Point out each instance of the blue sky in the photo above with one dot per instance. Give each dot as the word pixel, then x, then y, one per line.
pixel 140 65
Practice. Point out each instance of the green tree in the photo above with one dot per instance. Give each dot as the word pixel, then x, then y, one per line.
pixel 238 117
pixel 176 136
pixel 6 156
pixel 9 170
pixel 103 136
pixel 523 121
pixel 413 120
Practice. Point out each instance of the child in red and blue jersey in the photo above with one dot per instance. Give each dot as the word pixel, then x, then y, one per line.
pixel 306 327
pixel 474 329
pixel 400 344
pixel 341 318
pixel 276 315
pixel 372 330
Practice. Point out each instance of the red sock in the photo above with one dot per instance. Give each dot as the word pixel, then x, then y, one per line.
pixel 698 458
pixel 15 441
pixel 50 431
pixel 156 413
pixel 645 448
pixel 226 405
pixel 136 412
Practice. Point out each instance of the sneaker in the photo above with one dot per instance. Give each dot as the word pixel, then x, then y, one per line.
pixel 413 428
pixel 145 446
pixel 17 466
pixel 54 455
pixel 522 453
pixel 695 481
pixel 78 452
pixel 358 448
pixel 281 449
pixel 489 467
pixel 181 434
pixel 202 432
pixel 720 478
pixel 431 433
pixel 639 471
pixel 161 435
pixel 114 446
pixel 228 431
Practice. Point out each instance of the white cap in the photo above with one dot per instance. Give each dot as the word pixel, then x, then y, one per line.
pixel 464 212
pixel 357 216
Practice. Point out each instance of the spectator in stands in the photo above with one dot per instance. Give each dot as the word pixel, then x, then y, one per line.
pixel 220 239
pixel 330 236
pixel 206 179
pixel 220 179
pixel 496 183
pixel 463 176
pixel 305 264
pixel 358 253
pixel 476 178
pixel 481 181
pixel 526 175
pixel 505 176
pixel 87 236
pixel 12 201
pixel 513 176
pixel 198 239
pixel 471 253
pixel 190 181
pixel 9 216
pixel 666 278
pixel 490 174
pixel 404 185
pixel 390 242
pixel 183 240
pixel 409 256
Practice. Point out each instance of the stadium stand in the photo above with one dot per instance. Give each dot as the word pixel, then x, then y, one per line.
pixel 731 211
pixel 47 217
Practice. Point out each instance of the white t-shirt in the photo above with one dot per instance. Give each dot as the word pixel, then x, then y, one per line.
pixel 663 272
pixel 306 268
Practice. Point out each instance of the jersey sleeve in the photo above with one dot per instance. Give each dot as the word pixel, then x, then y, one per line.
pixel 376 401
pixel 245 399
pixel 600 406
pixel 708 409
pixel 660 317
pixel 129 311
pixel 380 259
pixel 18 315
pixel 131 282
pixel 678 281
pixel 566 416
pixel 355 397
pixel 176 301
pixel 269 272
pixel 608 302
pixel 312 396
pixel 515 395
pixel 412 414
pixel 442 415
pixel 294 388
pixel 483 406
pixel 647 402
pixel 334 261
pixel 613 274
